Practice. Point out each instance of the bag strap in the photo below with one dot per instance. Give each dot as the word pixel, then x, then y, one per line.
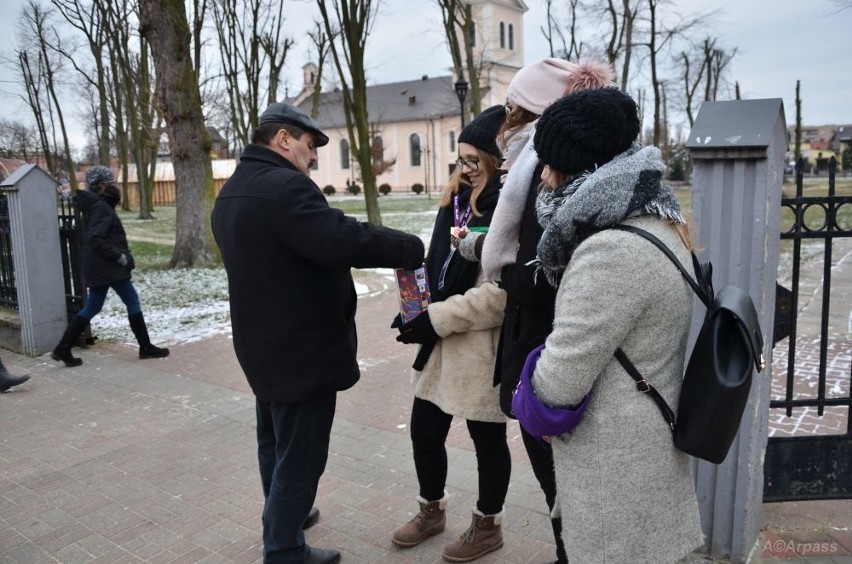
pixel 646 388
pixel 704 291
pixel 701 284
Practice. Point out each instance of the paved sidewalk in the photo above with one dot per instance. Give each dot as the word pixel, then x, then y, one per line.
pixel 121 460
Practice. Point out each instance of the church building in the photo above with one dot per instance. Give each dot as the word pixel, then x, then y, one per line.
pixel 418 121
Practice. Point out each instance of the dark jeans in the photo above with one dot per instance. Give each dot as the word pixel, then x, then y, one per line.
pixel 97 297
pixel 541 459
pixel 429 429
pixel 292 449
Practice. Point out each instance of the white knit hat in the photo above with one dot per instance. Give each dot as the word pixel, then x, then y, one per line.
pixel 541 83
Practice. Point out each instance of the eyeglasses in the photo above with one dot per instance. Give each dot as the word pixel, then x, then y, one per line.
pixel 472 164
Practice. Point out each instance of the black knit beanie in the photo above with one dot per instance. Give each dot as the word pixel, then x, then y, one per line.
pixel 482 131
pixel 586 129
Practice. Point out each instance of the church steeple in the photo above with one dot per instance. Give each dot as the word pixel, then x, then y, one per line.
pixel 499 43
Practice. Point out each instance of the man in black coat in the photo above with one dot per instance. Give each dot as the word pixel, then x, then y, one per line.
pixel 288 256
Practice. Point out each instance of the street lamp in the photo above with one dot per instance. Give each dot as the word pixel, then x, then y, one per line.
pixel 461 92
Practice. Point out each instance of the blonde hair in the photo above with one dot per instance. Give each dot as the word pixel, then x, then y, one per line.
pixel 488 165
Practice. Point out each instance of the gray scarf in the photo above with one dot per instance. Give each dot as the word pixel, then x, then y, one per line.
pixel 627 186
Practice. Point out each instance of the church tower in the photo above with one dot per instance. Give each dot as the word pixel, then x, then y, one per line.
pixel 498 37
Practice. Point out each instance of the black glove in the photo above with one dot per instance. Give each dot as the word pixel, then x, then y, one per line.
pixel 418 330
pixel 397 321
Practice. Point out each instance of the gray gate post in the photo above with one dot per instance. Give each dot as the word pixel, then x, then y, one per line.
pixel 737 149
pixel 31 193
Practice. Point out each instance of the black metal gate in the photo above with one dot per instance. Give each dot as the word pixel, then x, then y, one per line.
pixel 816 387
pixel 70 227
pixel 8 286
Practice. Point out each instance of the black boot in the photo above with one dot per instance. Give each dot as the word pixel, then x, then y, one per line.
pixel 63 349
pixel 7 380
pixel 146 349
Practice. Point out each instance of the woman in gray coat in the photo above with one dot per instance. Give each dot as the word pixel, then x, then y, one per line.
pixel 625 493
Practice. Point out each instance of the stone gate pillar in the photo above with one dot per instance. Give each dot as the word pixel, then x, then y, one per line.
pixel 737 149
pixel 31 194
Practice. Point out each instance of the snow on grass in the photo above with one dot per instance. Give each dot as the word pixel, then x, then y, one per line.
pixel 188 305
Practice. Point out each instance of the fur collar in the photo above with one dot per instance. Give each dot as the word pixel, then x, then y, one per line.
pixel 627 186
pixel 501 244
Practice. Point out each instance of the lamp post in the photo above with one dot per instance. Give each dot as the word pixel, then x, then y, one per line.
pixel 461 92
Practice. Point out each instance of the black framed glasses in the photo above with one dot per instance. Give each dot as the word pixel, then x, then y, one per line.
pixel 472 164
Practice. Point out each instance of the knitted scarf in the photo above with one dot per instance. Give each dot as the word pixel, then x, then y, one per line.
pixel 501 244
pixel 627 186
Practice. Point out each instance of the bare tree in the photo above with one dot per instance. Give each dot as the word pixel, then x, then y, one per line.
pixel 354 19
pixel 87 18
pixel 179 97
pixel 660 34
pixel 133 102
pixel 17 140
pixel 571 49
pixel 692 74
pixel 457 18
pixel 322 43
pixel 251 47
pixel 42 41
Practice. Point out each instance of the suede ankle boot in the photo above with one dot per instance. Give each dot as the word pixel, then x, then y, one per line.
pixel 484 535
pixel 430 520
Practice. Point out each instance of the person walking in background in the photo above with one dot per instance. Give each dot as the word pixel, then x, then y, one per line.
pixel 7 381
pixel 288 256
pixel 453 371
pixel 628 490
pixel 510 245
pixel 107 263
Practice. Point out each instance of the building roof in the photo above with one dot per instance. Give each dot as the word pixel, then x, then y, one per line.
pixel 412 100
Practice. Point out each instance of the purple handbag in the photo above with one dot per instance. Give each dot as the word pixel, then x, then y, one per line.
pixel 534 416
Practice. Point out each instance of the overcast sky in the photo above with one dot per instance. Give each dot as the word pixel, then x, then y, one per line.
pixel 778 42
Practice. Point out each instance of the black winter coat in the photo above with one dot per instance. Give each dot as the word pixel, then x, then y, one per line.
pixel 288 256
pixel 530 301
pixel 104 241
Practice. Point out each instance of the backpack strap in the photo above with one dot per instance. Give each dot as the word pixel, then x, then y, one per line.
pixel 643 386
pixel 701 284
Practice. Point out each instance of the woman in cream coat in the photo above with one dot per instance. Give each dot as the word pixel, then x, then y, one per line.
pixel 625 493
pixel 454 368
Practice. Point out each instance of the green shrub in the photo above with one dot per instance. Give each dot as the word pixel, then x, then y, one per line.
pixel 353 189
pixel 417 188
pixel 385 189
pixel 329 190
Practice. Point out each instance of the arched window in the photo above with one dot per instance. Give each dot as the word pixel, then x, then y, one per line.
pixel 344 154
pixel 503 35
pixel 452 141
pixel 414 149
pixel 378 148
pixel 473 34
pixel 511 37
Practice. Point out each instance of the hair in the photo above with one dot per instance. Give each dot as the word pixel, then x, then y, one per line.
pixel 265 132
pixel 517 117
pixel 488 164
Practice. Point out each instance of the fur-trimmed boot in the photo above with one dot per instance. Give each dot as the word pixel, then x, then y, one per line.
pixel 429 521
pixel 62 352
pixel 7 380
pixel 140 330
pixel 484 535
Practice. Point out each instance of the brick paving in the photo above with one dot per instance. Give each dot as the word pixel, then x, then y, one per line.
pixel 121 460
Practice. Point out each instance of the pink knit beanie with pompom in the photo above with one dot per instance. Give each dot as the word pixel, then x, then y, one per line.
pixel 541 83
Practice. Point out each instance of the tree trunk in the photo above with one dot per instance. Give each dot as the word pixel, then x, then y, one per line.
pixel 163 23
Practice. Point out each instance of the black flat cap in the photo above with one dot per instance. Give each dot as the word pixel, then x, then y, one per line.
pixel 279 112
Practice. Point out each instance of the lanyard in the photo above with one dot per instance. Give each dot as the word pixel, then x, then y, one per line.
pixel 459 220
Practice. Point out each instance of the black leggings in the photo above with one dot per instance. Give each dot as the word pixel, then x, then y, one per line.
pixel 429 429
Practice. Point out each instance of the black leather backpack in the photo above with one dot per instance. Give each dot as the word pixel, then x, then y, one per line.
pixel 718 375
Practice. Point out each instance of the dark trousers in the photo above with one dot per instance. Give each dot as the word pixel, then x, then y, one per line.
pixel 292 449
pixel 541 459
pixel 429 429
